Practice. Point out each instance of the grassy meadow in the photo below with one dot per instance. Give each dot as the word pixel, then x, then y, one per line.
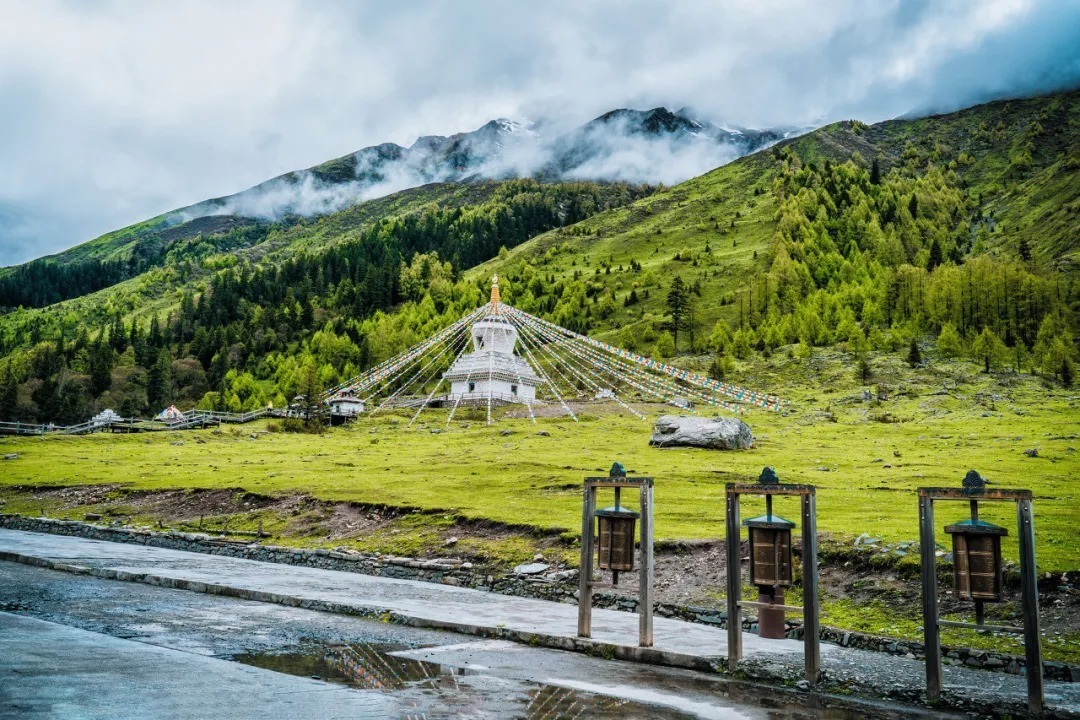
pixel 866 458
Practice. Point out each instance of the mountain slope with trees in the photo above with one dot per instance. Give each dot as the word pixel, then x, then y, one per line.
pixel 869 236
pixel 952 234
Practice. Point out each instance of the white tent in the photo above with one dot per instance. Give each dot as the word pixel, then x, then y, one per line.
pixel 170 415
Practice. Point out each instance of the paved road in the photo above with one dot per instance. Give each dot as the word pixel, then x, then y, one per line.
pixel 492 615
pixel 83 647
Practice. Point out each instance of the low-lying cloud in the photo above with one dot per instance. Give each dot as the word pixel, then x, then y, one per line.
pixel 121 110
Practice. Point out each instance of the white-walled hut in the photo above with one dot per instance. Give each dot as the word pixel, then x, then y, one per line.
pixel 344 406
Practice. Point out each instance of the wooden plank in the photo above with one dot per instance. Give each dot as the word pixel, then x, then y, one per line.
pixel 977 626
pixel 647 571
pixel 584 625
pixel 734 580
pixel 767 606
pixel 628 482
pixel 811 603
pixel 931 629
pixel 754 489
pixel 1029 600
pixel 953 493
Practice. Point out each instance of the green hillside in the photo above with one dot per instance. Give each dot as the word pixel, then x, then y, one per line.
pixel 953 231
pixel 866 235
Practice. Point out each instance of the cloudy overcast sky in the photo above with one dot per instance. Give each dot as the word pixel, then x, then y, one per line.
pixel 111 112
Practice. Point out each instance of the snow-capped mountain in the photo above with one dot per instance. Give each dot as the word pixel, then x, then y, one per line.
pixel 652 146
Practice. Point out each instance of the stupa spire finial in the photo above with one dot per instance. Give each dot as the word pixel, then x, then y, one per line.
pixel 495 292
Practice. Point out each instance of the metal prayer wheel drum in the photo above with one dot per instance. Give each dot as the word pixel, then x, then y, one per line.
pixel 615 550
pixel 977 566
pixel 770 550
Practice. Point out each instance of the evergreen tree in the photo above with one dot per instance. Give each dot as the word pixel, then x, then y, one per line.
pixel 936 256
pixel 948 341
pixel 159 382
pixel 312 390
pixel 914 356
pixel 1024 250
pixel 875 172
pixel 864 371
pixel 988 349
pixel 678 299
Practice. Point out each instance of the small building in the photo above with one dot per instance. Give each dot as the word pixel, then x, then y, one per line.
pixel 344 407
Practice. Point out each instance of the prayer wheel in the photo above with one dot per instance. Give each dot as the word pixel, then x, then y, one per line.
pixel 977 565
pixel 770 550
pixel 615 550
pixel 770 569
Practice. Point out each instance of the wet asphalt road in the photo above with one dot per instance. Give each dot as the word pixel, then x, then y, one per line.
pixel 80 647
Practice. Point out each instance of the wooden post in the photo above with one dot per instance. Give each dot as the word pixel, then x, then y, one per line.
pixel 1029 596
pixel 931 631
pixel 584 623
pixel 645 600
pixel 811 641
pixel 734 580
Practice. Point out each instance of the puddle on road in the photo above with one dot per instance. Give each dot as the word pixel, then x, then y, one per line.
pixel 433 691
pixel 436 691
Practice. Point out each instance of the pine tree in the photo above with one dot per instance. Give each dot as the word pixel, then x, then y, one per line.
pixel 875 172
pixel 914 356
pixel 864 371
pixel 678 299
pixel 159 382
pixel 948 341
pixel 311 389
pixel 936 256
pixel 1024 250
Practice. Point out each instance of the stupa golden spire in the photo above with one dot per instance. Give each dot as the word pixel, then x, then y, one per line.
pixel 495 292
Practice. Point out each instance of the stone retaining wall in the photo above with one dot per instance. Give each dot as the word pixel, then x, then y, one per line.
pixel 558 586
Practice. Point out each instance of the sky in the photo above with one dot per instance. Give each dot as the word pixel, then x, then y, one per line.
pixel 115 111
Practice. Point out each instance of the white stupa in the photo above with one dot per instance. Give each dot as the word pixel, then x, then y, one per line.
pixel 477 356
pixel 492 372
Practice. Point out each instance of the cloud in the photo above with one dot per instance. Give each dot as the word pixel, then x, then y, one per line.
pixel 117 111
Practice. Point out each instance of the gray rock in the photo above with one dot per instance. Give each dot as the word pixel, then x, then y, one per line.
pixel 11 456
pixel 718 433
pixel 1032 452
pixel 531 568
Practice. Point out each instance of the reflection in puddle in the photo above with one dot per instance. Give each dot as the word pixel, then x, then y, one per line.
pixel 431 690
pixel 427 690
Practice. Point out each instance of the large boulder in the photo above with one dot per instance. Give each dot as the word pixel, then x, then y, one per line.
pixel 715 433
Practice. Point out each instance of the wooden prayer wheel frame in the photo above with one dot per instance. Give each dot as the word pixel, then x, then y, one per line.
pixel 619 481
pixel 811 604
pixel 1029 590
